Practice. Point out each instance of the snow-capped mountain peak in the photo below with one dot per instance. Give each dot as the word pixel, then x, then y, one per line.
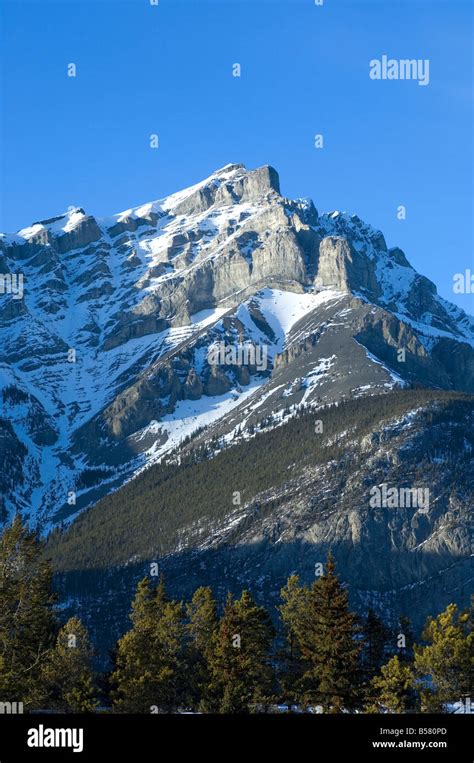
pixel 105 355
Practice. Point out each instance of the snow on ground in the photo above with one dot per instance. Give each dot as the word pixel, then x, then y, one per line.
pixel 396 280
pixel 57 226
pixel 314 377
pixel 281 310
pixel 463 707
pixel 396 379
pixel 190 415
pixel 168 203
pixel 427 332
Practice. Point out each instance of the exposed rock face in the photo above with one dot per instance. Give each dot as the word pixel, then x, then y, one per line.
pixel 12 457
pixel 193 388
pixel 217 382
pixel 112 335
pixel 86 232
pixel 341 267
pixel 458 360
pixel 244 186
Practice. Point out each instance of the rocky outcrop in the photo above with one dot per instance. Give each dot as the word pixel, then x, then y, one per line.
pixel 340 266
pixel 244 186
pixel 85 232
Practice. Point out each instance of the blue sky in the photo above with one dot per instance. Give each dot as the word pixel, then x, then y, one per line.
pixel 167 69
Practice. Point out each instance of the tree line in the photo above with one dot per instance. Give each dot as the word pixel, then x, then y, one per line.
pixel 181 657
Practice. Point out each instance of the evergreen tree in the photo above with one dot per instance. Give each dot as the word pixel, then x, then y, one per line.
pixel 67 677
pixel 444 664
pixel 293 612
pixel 374 649
pixel 376 636
pixel 27 622
pixel 148 675
pixel 203 621
pixel 393 690
pixel 328 639
pixel 240 659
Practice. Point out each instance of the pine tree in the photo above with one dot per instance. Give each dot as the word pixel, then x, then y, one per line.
pixel 393 690
pixel 445 663
pixel 203 621
pixel 328 639
pixel 67 677
pixel 292 611
pixel 375 645
pixel 27 622
pixel 376 636
pixel 240 659
pixel 148 675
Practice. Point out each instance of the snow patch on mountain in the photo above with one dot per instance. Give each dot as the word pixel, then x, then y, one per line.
pixel 188 417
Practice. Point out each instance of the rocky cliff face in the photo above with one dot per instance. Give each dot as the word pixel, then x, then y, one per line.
pixel 105 357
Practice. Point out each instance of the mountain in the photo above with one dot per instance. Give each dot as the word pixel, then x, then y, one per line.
pixel 225 378
pixel 106 360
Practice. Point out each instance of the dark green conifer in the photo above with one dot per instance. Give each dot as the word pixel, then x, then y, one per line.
pixel 329 642
pixel 240 661
pixel 149 670
pixel 67 677
pixel 27 622
pixel 203 622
